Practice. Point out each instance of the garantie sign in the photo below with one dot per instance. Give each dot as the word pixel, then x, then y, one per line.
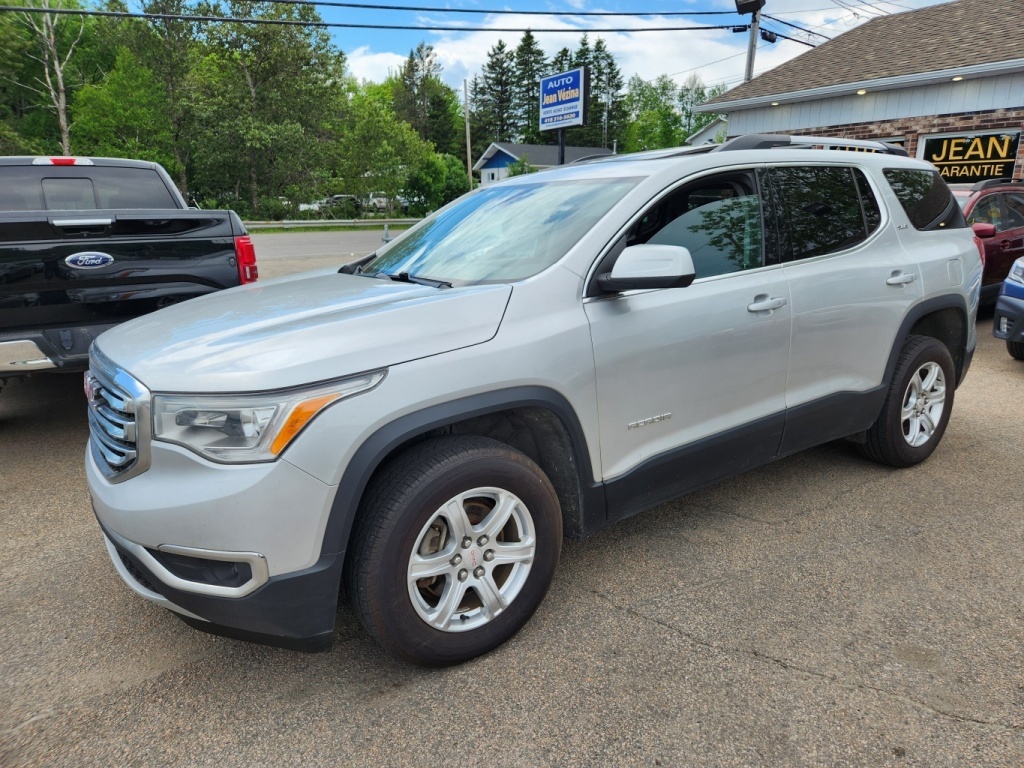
pixel 972 157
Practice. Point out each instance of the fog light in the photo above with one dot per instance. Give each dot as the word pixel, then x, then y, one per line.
pixel 1004 324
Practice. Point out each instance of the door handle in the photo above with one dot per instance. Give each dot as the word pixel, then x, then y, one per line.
pixel 763 304
pixel 901 278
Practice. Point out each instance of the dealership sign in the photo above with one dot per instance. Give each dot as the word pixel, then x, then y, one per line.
pixel 972 157
pixel 563 99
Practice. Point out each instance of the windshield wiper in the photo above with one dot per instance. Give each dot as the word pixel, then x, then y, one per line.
pixel 405 277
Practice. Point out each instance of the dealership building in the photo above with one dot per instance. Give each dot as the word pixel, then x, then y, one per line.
pixel 941 81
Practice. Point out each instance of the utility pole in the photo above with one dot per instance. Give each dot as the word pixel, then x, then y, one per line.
pixel 469 150
pixel 753 7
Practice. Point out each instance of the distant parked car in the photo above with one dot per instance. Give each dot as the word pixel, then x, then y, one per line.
pixel 1008 321
pixel 377 201
pixel 999 202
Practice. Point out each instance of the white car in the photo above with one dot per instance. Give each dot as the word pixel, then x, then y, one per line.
pixel 541 358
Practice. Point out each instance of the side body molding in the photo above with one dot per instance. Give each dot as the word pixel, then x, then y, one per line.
pixel 374 451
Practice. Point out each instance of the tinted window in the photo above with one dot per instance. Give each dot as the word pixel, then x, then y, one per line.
pixel 872 213
pixel 986 211
pixel 78 188
pixel 719 222
pixel 1014 203
pixel 926 199
pixel 822 208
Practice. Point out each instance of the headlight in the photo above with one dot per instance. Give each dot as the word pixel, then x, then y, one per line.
pixel 1017 271
pixel 248 427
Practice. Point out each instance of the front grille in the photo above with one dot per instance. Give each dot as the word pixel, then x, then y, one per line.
pixel 118 406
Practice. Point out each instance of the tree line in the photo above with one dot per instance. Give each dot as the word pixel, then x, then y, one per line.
pixel 263 117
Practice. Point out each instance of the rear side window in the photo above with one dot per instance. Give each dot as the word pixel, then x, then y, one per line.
pixel 826 208
pixel 926 199
pixel 81 188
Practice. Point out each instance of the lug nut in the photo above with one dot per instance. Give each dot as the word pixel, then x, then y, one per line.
pixel 463 574
pixel 467 542
pixel 478 571
pixel 457 559
pixel 489 555
pixel 482 541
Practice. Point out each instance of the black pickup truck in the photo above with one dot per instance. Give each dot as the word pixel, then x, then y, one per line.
pixel 87 243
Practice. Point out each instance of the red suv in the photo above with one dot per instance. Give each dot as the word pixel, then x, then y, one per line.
pixel 999 202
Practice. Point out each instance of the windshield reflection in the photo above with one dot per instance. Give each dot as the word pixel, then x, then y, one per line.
pixel 502 233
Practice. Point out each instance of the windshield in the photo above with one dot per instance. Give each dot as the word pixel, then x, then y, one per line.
pixel 502 233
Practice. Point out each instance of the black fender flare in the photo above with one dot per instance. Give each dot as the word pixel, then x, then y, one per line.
pixel 373 451
pixel 962 357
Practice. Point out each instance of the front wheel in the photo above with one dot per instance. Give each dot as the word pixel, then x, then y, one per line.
pixel 1016 349
pixel 455 547
pixel 917 406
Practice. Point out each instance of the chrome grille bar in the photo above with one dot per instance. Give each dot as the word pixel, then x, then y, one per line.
pixel 118 416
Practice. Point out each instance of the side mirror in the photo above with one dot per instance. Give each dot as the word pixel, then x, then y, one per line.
pixel 984 230
pixel 649 266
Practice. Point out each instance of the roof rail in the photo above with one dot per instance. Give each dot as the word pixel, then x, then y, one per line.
pixel 990 183
pixel 771 140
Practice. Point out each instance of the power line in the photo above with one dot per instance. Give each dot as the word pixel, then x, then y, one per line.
pixel 481 11
pixel 325 24
pixel 794 26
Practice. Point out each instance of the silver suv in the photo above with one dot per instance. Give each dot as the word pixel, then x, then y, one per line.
pixel 539 359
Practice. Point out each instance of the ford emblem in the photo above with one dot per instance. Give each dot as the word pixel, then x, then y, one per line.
pixel 89 260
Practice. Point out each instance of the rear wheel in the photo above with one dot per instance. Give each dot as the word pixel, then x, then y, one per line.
pixel 455 547
pixel 917 406
pixel 1016 349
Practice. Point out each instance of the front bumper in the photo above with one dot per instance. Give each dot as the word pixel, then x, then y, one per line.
pixel 295 610
pixel 1008 318
pixel 234 550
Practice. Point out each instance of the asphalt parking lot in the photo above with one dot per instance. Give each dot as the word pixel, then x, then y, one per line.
pixel 821 611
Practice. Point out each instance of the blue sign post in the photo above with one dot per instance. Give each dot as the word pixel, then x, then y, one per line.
pixel 563 103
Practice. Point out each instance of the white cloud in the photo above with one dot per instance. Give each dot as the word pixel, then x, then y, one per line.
pixel 717 56
pixel 366 65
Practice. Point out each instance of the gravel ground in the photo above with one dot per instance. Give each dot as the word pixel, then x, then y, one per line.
pixel 820 611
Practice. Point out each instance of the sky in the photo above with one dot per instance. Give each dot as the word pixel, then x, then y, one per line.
pixel 717 56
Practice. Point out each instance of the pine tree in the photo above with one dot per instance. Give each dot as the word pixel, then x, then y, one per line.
pixel 494 117
pixel 530 66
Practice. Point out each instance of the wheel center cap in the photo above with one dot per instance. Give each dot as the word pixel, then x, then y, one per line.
pixel 473 558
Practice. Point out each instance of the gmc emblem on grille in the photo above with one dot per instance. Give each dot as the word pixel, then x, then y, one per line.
pixel 89 260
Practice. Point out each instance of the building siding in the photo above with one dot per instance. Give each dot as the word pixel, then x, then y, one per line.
pixel 982 94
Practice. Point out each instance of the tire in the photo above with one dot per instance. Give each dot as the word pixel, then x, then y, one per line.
pixel 1016 349
pixel 455 546
pixel 917 406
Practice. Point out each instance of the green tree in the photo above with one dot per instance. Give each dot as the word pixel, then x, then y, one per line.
pixel 436 181
pixel 424 101
pixel 653 121
pixel 693 93
pixel 268 100
pixel 124 116
pixel 493 117
pixel 378 152
pixel 530 65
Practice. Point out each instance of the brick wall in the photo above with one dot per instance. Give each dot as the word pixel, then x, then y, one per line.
pixel 911 128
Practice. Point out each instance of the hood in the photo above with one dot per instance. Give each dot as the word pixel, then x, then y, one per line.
pixel 298 330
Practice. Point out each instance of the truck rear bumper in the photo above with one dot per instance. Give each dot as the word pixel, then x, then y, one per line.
pixel 23 356
pixel 52 348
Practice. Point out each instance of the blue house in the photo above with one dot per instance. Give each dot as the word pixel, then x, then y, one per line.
pixel 493 164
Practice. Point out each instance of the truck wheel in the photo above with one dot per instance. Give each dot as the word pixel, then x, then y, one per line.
pixel 1016 349
pixel 455 546
pixel 917 407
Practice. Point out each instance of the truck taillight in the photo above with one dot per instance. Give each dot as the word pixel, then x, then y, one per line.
pixel 245 255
